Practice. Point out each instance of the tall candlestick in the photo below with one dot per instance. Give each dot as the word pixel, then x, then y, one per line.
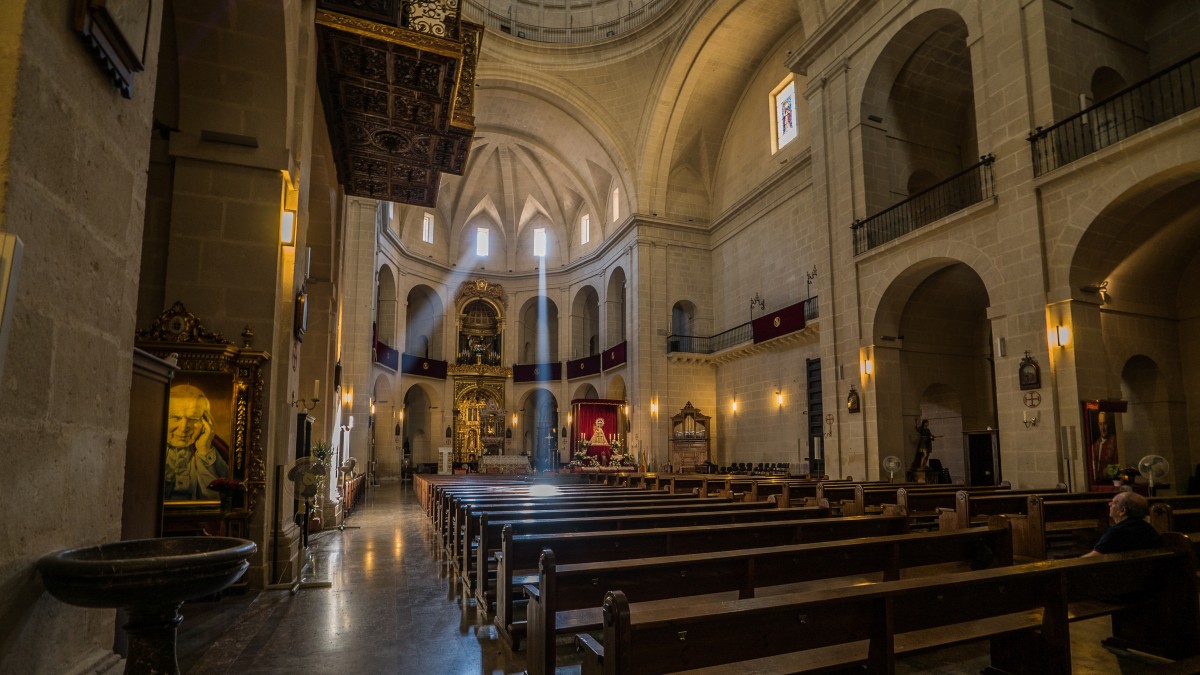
pixel 316 389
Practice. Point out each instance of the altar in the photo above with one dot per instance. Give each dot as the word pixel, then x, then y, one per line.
pixel 598 429
pixel 504 464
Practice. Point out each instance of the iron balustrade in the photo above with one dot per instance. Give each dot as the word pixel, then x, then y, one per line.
pixel 636 18
pixel 1154 100
pixel 969 186
pixel 696 344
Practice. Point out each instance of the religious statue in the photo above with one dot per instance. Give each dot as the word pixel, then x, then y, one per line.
pixel 598 437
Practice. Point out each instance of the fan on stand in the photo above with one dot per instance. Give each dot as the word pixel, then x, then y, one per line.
pixel 306 474
pixel 892 464
pixel 347 471
pixel 1153 467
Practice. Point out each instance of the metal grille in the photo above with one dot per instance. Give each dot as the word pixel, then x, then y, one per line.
pixel 1154 100
pixel 969 186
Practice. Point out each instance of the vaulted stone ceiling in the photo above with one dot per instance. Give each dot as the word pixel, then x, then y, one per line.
pixel 559 127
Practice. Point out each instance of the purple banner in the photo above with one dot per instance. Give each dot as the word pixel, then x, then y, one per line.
pixel 415 365
pixel 780 322
pixel 588 365
pixel 537 372
pixel 614 356
pixel 386 356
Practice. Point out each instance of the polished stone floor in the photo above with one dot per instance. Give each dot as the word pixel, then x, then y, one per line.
pixel 391 606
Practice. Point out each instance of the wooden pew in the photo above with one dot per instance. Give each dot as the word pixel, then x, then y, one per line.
pixel 455 510
pixel 972 509
pixel 465 530
pixel 566 598
pixel 1046 521
pixel 479 553
pixel 923 505
pixel 870 499
pixel 1025 610
pixel 1186 521
pixel 516 562
pixel 486 593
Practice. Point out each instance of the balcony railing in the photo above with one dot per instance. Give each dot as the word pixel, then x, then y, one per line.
pixel 969 186
pixel 386 356
pixel 695 344
pixel 479 13
pixel 1152 101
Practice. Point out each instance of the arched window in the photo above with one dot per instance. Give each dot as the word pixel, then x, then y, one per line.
pixel 585 229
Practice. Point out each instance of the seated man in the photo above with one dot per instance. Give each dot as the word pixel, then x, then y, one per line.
pixel 1130 531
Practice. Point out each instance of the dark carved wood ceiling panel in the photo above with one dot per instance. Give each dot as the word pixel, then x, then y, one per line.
pixel 399 103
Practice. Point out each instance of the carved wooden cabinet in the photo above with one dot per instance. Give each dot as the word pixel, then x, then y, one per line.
pixel 689 441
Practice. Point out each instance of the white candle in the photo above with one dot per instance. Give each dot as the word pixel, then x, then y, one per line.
pixel 316 389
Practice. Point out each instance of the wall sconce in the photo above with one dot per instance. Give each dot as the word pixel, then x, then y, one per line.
pixel 734 406
pixel 779 398
pixel 626 409
pixel 514 419
pixel 402 414
pixel 347 397
pixel 568 419
pixel 372 407
pixel 654 408
pixel 1060 336
pixel 867 367
pixel 287 228
pixel 1029 421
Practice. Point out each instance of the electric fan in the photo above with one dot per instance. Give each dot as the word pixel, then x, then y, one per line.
pixel 892 464
pixel 1153 467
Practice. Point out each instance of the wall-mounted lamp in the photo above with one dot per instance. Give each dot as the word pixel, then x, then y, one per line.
pixel 654 408
pixel 514 419
pixel 1060 336
pixel 372 407
pixel 1029 421
pixel 568 419
pixel 868 367
pixel 733 407
pixel 287 228
pixel 626 409
pixel 402 414
pixel 347 397
pixel 779 398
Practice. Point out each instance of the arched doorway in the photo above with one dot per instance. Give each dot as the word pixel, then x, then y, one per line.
pixel 418 433
pixel 424 317
pixel 539 429
pixel 932 359
pixel 385 307
pixel 585 323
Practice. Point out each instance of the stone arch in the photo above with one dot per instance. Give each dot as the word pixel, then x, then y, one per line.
pixel 585 323
pixel 941 404
pixel 615 307
pixel 420 432
pixel 616 388
pixel 537 324
pixel 385 306
pixel 539 430
pixel 918 108
pixel 425 319
pixel 1156 417
pixel 930 336
pixel 383 447
pixel 586 390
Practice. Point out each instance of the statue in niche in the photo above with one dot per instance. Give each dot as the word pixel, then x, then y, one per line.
pixel 598 437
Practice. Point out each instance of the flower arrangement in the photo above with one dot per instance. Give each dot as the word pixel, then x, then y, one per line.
pixel 621 459
pixel 227 485
pixel 1126 474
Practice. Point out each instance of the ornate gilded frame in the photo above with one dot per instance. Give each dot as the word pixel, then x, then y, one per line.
pixel 203 355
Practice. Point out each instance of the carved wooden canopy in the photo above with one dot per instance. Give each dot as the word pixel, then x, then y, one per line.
pixel 397 81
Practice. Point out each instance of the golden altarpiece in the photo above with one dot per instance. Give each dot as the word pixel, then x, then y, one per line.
pixel 480 410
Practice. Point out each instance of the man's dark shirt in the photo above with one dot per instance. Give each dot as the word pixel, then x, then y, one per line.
pixel 1131 534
